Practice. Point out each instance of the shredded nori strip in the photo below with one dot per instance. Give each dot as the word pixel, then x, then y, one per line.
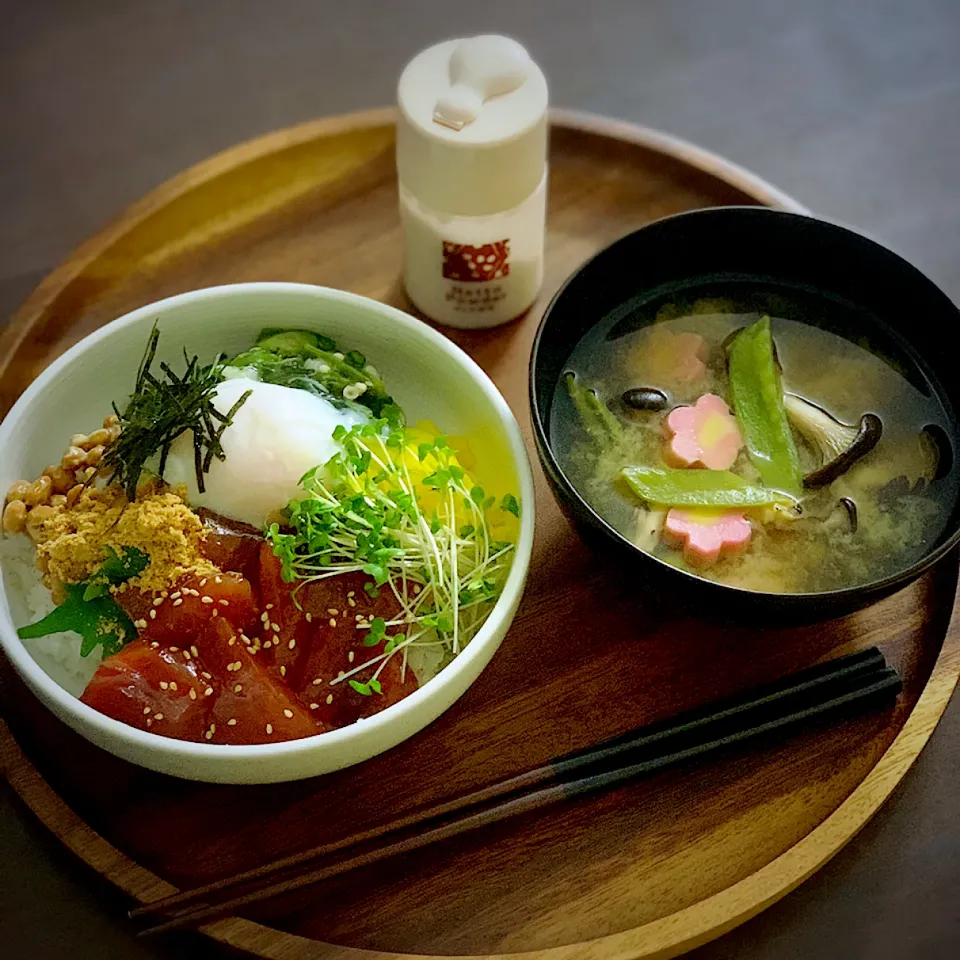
pixel 160 410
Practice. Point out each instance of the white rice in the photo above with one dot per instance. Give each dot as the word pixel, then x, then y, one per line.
pixel 58 655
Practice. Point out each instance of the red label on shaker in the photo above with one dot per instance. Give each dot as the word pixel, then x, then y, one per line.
pixel 468 264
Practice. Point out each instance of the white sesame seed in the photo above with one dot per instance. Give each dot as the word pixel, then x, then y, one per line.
pixel 203 582
pixel 317 681
pixel 205 675
pixel 340 674
pixel 173 685
pixel 146 710
pixel 275 627
pixel 213 728
pixel 309 618
pixel 333 611
pixel 186 655
pixel 157 601
pixel 329 698
pixel 288 714
pixel 164 685
pixel 174 649
pixel 224 603
pixel 158 716
pixel 194 650
pixel 218 579
pixel 208 692
pixel 292 643
pixel 350 657
pixel 206 599
pixel 314 706
pixel 269 606
pixel 283 670
pixel 265 617
pixel 193 694
pixel 154 645
pixel 352 602
pixel 231 641
pixel 269 728
pixel 175 595
pixel 333 622
pixel 351 593
pixel 209 735
pixel 215 613
pixel 238 687
pixel 153 614
pixel 178 601
pixel 149 721
pixel 267 644
pixel 232 722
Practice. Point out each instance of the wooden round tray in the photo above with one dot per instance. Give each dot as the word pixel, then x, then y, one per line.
pixel 647 871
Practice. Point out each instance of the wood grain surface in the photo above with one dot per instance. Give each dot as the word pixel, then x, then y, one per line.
pixel 648 870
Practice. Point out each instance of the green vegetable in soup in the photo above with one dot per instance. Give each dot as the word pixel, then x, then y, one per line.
pixel 595 416
pixel 309 361
pixel 758 403
pixel 697 488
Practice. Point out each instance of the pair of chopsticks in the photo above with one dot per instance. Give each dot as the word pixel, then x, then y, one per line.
pixel 833 690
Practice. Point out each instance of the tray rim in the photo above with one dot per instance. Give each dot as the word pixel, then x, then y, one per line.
pixel 658 939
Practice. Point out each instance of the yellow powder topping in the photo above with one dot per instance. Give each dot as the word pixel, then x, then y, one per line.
pixel 70 541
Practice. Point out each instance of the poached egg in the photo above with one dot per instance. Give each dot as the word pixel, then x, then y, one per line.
pixel 275 438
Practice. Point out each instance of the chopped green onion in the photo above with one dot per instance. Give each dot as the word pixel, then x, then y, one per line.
pixel 595 417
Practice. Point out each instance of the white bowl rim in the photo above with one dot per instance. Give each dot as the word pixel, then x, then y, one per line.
pixel 34 673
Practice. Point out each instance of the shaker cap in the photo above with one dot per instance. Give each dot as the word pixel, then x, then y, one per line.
pixel 472 129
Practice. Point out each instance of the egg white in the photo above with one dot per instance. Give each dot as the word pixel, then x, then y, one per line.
pixel 275 438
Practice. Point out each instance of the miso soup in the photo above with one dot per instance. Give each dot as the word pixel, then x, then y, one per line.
pixel 762 442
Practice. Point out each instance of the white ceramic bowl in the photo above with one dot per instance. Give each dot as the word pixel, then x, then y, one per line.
pixel 427 374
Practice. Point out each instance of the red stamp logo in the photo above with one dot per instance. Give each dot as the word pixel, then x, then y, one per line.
pixel 475 264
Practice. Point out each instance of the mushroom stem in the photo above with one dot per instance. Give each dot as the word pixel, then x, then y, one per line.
pixel 840 444
pixel 851 509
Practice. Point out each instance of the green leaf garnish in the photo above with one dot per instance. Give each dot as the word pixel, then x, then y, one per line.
pixel 90 609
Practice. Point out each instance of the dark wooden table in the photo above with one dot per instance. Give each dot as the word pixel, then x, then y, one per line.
pixel 853 106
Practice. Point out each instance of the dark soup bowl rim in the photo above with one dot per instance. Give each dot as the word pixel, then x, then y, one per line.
pixel 740 602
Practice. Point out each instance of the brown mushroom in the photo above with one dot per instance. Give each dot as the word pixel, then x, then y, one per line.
pixel 840 445
pixel 645 398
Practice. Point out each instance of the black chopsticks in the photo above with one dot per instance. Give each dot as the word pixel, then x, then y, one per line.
pixel 827 692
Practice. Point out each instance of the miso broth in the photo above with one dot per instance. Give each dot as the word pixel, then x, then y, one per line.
pixel 873 519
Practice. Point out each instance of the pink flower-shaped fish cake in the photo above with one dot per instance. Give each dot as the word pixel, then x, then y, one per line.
pixel 704 435
pixel 705 535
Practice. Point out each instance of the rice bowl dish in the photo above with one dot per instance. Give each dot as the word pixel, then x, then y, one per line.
pixel 223 594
